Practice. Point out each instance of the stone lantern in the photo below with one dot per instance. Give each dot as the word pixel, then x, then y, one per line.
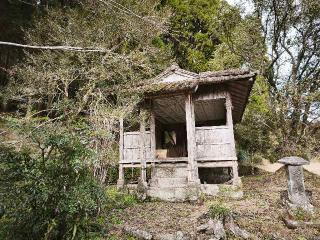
pixel 296 190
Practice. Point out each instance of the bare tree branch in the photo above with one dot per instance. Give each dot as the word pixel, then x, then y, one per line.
pixel 61 48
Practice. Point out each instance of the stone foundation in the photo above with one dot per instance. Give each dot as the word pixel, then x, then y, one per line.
pixel 170 183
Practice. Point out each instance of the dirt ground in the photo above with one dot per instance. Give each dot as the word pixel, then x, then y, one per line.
pixel 259 211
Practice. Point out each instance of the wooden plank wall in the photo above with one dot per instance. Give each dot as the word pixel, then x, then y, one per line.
pixel 214 143
pixel 131 146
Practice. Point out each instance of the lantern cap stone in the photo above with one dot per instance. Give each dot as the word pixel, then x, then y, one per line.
pixel 293 160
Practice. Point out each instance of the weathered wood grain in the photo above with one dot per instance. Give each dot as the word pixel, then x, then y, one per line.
pixel 131 150
pixel 190 124
pixel 142 142
pixel 120 182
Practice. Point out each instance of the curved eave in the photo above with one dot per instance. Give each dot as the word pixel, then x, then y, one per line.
pixel 239 83
pixel 240 93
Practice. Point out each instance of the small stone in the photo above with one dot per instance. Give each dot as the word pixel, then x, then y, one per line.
pixel 202 228
pixel 291 224
pixel 181 236
pixel 137 233
pixel 172 236
pixel 235 229
pixel 209 189
pixel 236 195
pixel 211 226
pixel 218 230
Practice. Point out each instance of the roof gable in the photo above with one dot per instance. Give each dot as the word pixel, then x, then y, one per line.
pixel 174 74
pixel 175 77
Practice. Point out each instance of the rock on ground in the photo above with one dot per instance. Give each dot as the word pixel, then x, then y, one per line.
pixel 235 229
pixel 138 233
pixel 218 229
pixel 172 236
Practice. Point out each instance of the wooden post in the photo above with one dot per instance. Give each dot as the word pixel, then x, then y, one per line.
pixel 190 125
pixel 236 180
pixel 229 111
pixel 235 170
pixel 153 137
pixel 142 148
pixel 120 182
pixel 230 123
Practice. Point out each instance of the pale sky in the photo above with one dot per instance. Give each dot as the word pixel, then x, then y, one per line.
pixel 246 6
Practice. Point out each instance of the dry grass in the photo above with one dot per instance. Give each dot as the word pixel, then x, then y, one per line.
pixel 259 212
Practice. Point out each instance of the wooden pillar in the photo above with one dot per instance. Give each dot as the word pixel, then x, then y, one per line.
pixel 229 110
pixel 153 138
pixel 230 123
pixel 190 125
pixel 142 147
pixel 235 170
pixel 120 182
pixel 235 179
pixel 153 133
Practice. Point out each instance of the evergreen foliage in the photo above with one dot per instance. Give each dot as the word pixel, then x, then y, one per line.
pixel 212 35
pixel 49 192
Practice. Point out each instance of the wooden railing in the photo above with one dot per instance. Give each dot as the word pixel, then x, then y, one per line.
pixel 213 143
pixel 131 150
pixel 131 147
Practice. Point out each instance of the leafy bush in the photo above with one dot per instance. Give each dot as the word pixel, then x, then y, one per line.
pixel 118 199
pixel 301 214
pixel 218 210
pixel 50 193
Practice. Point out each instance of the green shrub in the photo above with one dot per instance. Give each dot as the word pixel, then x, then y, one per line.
pixel 218 210
pixel 301 214
pixel 118 200
pixel 50 194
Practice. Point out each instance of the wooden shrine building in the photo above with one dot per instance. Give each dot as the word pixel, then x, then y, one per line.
pixel 186 132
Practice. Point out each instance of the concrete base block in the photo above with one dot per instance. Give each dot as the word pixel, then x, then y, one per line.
pixel 230 191
pixel 120 184
pixel 170 172
pixel 169 182
pixel 174 194
pixel 168 194
pixel 210 189
pixel 223 190
pixel 192 192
